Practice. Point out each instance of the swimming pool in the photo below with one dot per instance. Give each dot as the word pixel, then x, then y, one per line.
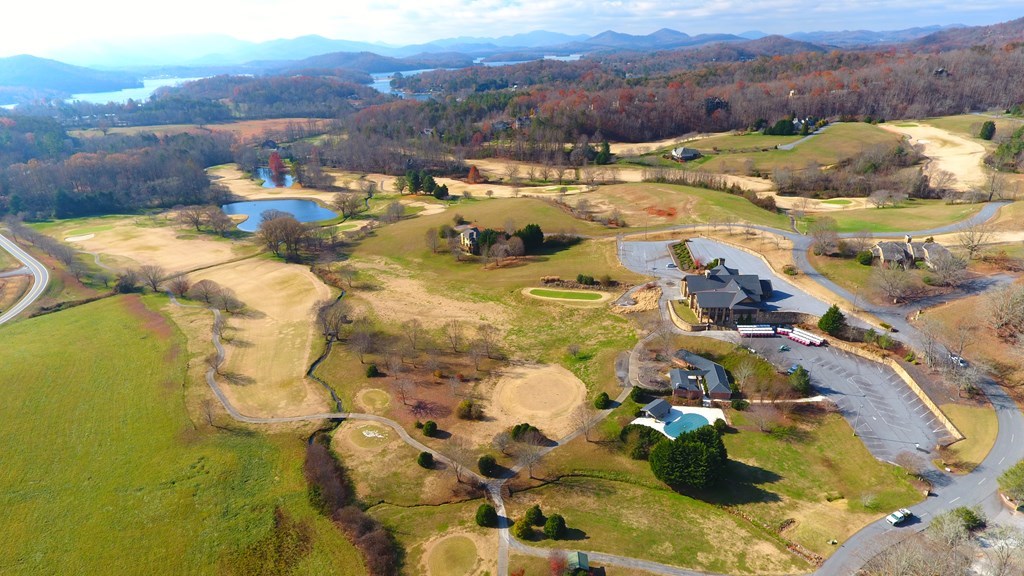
pixel 684 423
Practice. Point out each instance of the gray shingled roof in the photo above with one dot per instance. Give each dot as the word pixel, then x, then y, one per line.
pixel 658 409
pixel 715 377
pixel 681 380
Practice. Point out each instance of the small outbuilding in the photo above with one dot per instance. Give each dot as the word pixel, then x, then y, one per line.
pixel 578 561
pixel 658 409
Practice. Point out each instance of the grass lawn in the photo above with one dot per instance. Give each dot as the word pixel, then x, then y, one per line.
pixel 565 294
pixel 684 312
pixel 846 272
pixel 820 484
pixel 534 566
pixel 969 125
pixel 979 425
pixel 654 205
pixel 122 461
pixel 732 142
pixel 913 215
pixel 838 142
pixel 837 201
pixel 419 528
pixel 618 518
pixel 7 261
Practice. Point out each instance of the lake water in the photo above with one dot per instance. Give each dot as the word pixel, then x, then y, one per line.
pixel 268 180
pixel 136 94
pixel 382 80
pixel 302 210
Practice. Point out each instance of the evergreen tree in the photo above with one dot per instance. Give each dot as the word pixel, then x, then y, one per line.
pixel 988 130
pixel 693 459
pixel 833 321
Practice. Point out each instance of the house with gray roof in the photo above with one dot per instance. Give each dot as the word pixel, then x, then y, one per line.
pixel 722 295
pixel 683 154
pixel 715 380
pixel 686 383
pixel 905 254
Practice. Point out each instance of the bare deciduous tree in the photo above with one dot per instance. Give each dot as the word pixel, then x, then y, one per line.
pixel 179 284
pixel 894 282
pixel 453 331
pixel 583 419
pixel 152 275
pixel 362 339
pixel 528 453
pixel 413 331
pixel 972 238
pixel 204 290
pixel 503 442
pixel 192 216
pixel 331 317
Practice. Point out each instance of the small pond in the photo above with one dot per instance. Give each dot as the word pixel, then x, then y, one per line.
pixel 283 181
pixel 302 210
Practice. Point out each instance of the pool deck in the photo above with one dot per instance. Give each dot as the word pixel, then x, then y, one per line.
pixel 711 414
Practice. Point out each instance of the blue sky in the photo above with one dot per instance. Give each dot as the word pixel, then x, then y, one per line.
pixel 54 24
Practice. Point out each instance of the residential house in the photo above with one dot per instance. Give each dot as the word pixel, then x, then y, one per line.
pixel 469 239
pixel 905 254
pixel 683 154
pixel 658 409
pixel 715 380
pixel 723 296
pixel 686 383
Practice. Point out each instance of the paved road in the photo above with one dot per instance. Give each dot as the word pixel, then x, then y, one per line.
pixel 40 278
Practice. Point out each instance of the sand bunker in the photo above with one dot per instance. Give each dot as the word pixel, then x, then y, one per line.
pixel 954 154
pixel 79 238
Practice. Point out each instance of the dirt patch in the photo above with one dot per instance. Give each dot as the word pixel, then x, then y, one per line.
pixel 151 320
pixel 449 555
pixel 79 238
pixel 948 152
pixel 543 395
pixel 646 299
pixel 269 349
pixel 429 209
pixel 398 297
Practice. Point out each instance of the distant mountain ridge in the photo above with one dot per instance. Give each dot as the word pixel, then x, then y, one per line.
pixel 35 76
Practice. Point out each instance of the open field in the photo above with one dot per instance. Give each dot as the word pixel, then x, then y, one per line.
pixel 655 205
pixel 820 482
pixel 137 240
pixel 969 125
pixel 961 157
pixel 544 396
pixel 979 425
pixel 8 262
pixel 125 461
pixel 245 130
pixel 838 142
pixel 431 536
pixel 12 289
pixel 619 518
pixel 270 347
pixel 912 215
pixel 727 143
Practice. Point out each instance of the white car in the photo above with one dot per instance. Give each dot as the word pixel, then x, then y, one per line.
pixel 958 361
pixel 899 517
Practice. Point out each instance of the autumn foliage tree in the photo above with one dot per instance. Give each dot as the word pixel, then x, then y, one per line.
pixel 474 176
pixel 275 164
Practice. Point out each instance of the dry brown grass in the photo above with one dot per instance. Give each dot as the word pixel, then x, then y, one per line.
pixel 11 290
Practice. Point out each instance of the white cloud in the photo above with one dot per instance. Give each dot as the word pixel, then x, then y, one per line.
pixel 38 27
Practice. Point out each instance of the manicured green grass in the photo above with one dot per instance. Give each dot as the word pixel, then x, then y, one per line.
pixel 969 125
pixel 684 312
pixel 565 294
pixel 846 272
pixel 693 205
pixel 913 215
pixel 838 142
pixel 979 425
pixel 105 472
pixel 837 201
pixel 415 526
pixel 732 142
pixel 454 556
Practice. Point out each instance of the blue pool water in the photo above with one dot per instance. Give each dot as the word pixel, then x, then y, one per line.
pixel 685 423
pixel 302 210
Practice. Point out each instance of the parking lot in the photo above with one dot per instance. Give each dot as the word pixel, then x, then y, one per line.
pixel 887 415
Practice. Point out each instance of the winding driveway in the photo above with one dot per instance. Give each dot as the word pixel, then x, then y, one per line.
pixel 40 278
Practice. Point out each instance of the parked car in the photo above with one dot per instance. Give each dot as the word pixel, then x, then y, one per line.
pixel 784 348
pixel 899 517
pixel 671 265
pixel 957 361
pixel 793 368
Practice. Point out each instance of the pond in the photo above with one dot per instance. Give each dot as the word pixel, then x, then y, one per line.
pixel 283 181
pixel 302 210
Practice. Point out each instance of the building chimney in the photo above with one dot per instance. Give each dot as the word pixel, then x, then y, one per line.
pixel 707 273
pixel 907 238
pixel 721 262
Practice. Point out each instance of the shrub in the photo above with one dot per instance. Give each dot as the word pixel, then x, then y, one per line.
pixel 740 404
pixel 429 428
pixel 522 431
pixel 885 342
pixel 832 321
pixel 602 401
pixel 486 516
pixel 800 381
pixel 425 459
pixel 534 516
pixel 522 529
pixel 469 410
pixel 418 425
pixel 372 371
pixel 972 518
pixel 487 465
pixel 911 357
pixel 790 270
pixel 865 257
pixel 720 426
pixel 585 280
pixel 637 395
pixel 554 527
pixel 988 130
